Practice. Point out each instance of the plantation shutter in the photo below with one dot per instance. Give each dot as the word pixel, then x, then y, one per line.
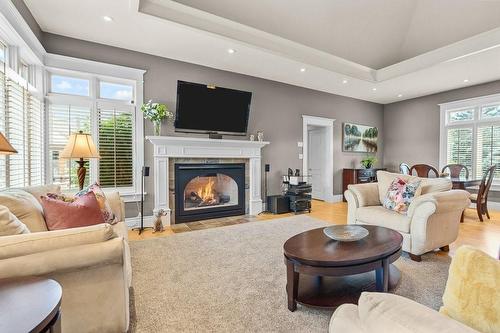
pixel 115 141
pixel 35 139
pixel 65 119
pixel 15 120
pixel 488 149
pixel 3 169
pixel 459 150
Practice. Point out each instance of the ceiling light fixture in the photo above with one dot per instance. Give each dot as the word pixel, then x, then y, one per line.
pixel 344 81
pixel 107 18
pixel 466 80
pixel 302 70
pixel 231 51
pixel 400 95
pixel 374 89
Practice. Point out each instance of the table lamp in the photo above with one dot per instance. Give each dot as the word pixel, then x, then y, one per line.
pixel 5 146
pixel 80 145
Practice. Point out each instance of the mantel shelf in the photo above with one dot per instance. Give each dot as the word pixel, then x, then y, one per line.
pixel 203 142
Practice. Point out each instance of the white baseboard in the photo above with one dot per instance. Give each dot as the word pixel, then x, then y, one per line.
pixel 493 205
pixel 338 198
pixel 135 222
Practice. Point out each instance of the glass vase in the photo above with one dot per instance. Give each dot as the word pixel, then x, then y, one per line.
pixel 157 127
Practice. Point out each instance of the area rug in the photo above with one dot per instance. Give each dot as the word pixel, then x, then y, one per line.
pixel 232 279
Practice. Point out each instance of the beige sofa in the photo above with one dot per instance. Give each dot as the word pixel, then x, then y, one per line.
pixel 432 220
pixel 92 264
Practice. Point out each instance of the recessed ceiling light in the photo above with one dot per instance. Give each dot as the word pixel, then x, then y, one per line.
pixel 400 95
pixel 107 18
pixel 302 70
pixel 344 81
pixel 374 89
pixel 231 51
pixel 466 80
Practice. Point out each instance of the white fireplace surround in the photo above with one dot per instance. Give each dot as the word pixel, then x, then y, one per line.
pixel 166 147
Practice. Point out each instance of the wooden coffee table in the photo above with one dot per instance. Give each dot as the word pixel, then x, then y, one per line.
pixel 322 272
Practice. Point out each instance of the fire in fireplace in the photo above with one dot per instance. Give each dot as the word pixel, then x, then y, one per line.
pixel 205 191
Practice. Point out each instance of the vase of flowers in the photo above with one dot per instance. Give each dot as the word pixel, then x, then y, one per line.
pixel 156 113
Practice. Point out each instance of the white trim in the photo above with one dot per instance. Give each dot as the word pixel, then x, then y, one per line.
pixel 328 124
pixel 493 205
pixel 338 198
pixel 135 222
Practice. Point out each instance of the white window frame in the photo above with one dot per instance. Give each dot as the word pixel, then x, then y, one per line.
pixel 95 72
pixel 477 104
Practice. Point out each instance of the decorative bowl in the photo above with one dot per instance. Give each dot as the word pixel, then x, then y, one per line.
pixel 346 233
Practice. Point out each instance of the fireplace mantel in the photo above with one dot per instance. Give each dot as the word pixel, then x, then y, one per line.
pixel 166 147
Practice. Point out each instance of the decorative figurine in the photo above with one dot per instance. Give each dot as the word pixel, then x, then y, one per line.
pixel 158 224
pixel 260 136
pixel 252 137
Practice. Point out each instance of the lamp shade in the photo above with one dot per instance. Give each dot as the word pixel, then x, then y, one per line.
pixel 80 145
pixel 5 146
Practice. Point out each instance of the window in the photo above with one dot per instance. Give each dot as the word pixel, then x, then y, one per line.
pixel 108 114
pixel 69 85
pixel 470 134
pixel 116 91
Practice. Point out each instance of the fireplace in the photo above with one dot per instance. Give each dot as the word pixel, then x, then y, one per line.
pixel 205 191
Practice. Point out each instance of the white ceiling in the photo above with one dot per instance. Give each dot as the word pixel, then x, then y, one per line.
pixel 372 33
pixel 397 47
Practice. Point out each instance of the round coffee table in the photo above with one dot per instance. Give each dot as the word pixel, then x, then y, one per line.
pixel 323 272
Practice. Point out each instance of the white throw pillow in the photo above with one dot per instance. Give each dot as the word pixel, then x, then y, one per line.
pixel 10 224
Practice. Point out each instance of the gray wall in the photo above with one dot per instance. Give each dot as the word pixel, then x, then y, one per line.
pixel 276 107
pixel 412 127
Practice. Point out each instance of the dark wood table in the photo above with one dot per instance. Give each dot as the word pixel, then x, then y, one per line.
pixel 30 305
pixel 322 272
pixel 463 183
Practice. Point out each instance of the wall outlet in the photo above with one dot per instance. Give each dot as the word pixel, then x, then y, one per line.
pixel 301 156
pixel 300 144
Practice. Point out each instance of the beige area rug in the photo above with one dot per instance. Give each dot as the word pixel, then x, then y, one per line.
pixel 232 279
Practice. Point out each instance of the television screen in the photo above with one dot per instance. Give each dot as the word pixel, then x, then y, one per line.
pixel 205 108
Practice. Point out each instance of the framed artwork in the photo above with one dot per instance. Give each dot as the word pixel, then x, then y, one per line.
pixel 359 138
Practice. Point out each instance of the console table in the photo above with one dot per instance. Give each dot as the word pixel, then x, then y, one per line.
pixel 358 176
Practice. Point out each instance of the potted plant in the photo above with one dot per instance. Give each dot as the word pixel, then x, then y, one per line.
pixel 156 113
pixel 368 162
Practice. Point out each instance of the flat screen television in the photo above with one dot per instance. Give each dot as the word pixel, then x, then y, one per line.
pixel 205 108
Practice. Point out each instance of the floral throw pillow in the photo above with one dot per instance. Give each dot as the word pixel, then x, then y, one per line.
pixel 107 213
pixel 400 195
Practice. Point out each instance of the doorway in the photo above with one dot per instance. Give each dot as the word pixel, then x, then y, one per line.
pixel 317 155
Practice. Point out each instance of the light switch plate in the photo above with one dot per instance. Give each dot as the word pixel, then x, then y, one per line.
pixel 301 156
pixel 300 144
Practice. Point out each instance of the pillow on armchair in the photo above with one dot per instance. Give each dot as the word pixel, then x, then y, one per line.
pixel 400 194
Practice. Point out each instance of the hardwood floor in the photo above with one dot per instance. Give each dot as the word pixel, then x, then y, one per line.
pixel 483 235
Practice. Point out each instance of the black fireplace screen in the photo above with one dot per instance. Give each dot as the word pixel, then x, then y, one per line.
pixel 205 191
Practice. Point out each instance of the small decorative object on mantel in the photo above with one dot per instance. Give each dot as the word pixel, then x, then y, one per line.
pixel 252 137
pixel 368 162
pixel 158 224
pixel 156 113
pixel 260 136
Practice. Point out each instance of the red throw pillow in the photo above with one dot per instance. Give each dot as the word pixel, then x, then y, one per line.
pixel 82 212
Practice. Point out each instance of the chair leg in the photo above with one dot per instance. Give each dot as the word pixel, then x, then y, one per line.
pixel 479 211
pixel 445 248
pixel 486 210
pixel 415 257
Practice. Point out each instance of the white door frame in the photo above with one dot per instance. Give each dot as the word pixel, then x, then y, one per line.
pixel 327 123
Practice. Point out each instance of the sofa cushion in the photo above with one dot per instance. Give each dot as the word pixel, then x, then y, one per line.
pixel 21 245
pixel 38 191
pixel 400 195
pixel 388 313
pixel 10 224
pixel 83 211
pixel 472 294
pixel 25 207
pixel 378 215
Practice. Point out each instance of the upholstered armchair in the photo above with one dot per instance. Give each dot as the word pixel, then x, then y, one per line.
pixel 432 220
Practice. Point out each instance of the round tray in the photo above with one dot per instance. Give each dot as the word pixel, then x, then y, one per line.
pixel 346 233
